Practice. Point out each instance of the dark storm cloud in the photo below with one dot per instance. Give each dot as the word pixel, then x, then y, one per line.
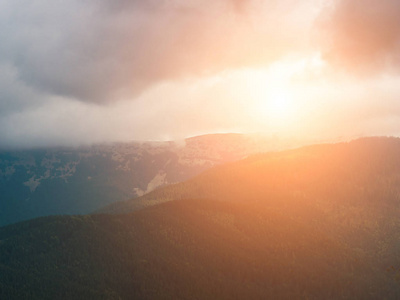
pixel 362 36
pixel 102 50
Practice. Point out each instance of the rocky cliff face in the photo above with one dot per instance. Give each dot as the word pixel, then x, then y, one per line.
pixel 80 180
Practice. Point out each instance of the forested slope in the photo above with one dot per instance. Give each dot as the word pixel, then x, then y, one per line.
pixel 317 222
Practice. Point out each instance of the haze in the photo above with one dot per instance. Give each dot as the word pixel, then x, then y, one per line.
pixel 80 72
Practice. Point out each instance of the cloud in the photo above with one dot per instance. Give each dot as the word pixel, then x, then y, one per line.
pixel 158 114
pixel 362 36
pixel 14 94
pixel 100 51
pixel 69 69
pixel 223 103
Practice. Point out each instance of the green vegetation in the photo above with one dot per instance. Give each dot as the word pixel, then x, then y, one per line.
pixel 320 222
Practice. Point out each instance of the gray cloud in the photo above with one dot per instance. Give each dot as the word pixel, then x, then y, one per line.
pixel 15 96
pixel 362 36
pixel 60 59
pixel 99 51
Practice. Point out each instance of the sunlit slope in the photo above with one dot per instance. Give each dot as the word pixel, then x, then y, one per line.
pixel 328 176
pixel 188 249
pixel 350 191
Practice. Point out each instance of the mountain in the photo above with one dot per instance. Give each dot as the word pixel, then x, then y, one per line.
pixel 80 180
pixel 359 169
pixel 318 222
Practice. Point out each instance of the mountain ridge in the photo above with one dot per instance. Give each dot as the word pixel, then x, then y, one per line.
pixel 64 180
pixel 273 158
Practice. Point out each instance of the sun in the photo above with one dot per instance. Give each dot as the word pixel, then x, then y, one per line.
pixel 278 104
pixel 270 94
pixel 274 106
pixel 278 96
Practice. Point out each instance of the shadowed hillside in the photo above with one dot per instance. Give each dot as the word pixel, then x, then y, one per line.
pixel 318 222
pixel 194 249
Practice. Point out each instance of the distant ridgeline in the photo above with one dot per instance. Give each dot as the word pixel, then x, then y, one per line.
pixel 361 168
pixel 80 180
pixel 318 222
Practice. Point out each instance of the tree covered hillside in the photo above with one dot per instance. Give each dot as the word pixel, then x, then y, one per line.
pixel 319 222
pixel 194 249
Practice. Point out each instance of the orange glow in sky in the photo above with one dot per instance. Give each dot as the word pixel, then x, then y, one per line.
pixel 148 70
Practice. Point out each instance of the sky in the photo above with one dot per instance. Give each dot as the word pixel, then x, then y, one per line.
pixel 78 72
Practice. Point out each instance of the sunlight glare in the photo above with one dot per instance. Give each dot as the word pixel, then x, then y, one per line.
pixel 278 104
pixel 271 98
